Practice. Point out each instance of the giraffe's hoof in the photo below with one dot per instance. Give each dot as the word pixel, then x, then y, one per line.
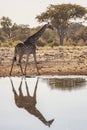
pixel 10 74
pixel 24 74
pixel 38 73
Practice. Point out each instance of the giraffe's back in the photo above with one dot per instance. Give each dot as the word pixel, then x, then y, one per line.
pixel 22 48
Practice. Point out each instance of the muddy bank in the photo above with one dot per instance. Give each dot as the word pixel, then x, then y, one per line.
pixel 50 61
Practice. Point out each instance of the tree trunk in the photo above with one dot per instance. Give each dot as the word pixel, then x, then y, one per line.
pixel 60 32
pixel 9 33
pixel 61 40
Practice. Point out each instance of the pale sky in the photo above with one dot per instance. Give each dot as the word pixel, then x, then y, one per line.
pixel 25 11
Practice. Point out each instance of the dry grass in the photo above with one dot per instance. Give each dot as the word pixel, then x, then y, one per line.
pixel 51 61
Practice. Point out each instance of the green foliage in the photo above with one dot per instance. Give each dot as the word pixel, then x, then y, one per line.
pixel 6 25
pixel 76 34
pixel 48 36
pixel 82 34
pixel 13 31
pixel 60 16
pixel 41 43
pixel 6 22
pixel 65 83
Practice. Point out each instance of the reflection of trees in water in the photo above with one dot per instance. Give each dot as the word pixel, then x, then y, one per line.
pixel 66 83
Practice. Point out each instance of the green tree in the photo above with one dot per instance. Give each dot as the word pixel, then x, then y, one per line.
pixel 82 34
pixel 6 24
pixel 61 16
pixel 73 32
pixel 20 32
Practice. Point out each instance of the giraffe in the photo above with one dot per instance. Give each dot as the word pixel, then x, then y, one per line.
pixel 28 47
pixel 29 102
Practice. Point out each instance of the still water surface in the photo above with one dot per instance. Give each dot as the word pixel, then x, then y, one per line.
pixel 39 102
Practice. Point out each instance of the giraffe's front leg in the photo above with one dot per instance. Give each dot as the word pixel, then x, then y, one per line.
pixel 36 63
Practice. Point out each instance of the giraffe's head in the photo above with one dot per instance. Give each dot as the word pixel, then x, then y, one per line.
pixel 49 26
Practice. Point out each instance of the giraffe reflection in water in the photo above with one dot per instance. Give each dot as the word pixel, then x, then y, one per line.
pixel 29 102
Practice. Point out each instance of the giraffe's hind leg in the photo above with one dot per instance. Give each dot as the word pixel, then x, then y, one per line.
pixel 26 64
pixel 14 59
pixel 19 63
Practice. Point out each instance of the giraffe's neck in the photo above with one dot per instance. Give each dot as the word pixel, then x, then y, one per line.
pixel 35 37
pixel 36 113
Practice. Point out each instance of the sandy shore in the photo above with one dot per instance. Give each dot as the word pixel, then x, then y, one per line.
pixel 50 61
